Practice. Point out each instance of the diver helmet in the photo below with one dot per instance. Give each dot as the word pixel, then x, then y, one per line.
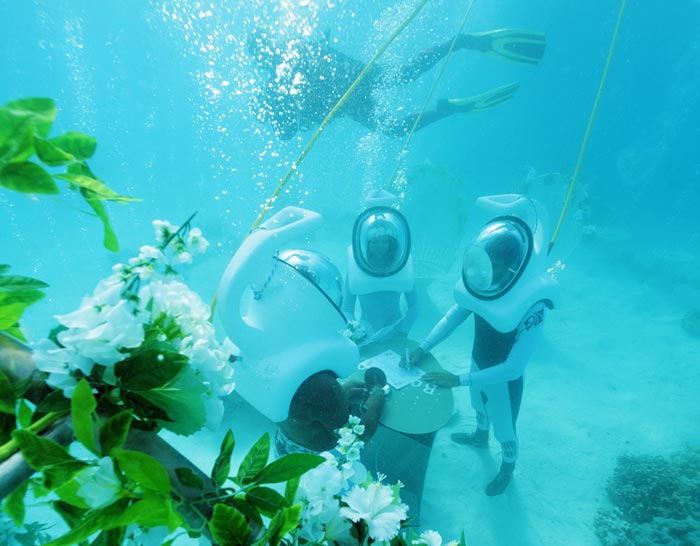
pixel 380 255
pixel 504 270
pixel 496 258
pixel 280 308
pixel 318 269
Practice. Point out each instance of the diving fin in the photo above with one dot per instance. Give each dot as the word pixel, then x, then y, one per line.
pixel 511 44
pixel 479 102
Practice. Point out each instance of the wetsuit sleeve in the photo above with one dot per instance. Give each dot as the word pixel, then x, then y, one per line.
pixel 349 299
pixel 529 334
pixel 411 310
pixel 447 324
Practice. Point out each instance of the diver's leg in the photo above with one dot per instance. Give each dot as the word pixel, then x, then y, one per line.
pixel 425 60
pixel 504 406
pixel 479 438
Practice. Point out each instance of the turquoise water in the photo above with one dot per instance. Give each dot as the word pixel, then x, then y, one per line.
pixel 166 87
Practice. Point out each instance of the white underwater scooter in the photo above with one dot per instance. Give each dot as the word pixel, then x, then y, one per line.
pixel 278 309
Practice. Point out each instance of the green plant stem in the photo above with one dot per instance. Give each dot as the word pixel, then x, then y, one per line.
pixel 39 426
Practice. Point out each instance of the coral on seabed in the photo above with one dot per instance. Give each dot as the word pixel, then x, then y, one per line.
pixel 655 501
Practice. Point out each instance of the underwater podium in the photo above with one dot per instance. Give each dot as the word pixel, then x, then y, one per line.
pixel 279 307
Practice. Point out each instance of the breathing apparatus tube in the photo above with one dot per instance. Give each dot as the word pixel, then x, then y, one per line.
pixel 270 201
pixel 570 193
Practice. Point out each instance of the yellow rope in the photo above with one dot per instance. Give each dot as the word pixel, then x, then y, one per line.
pixel 430 93
pixel 270 201
pixel 588 129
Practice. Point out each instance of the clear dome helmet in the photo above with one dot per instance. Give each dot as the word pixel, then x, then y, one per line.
pixel 318 269
pixel 496 258
pixel 381 241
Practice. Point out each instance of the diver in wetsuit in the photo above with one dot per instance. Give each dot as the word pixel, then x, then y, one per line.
pixel 380 275
pixel 506 287
pixel 308 78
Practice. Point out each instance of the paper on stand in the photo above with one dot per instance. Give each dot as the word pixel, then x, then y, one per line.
pixel 388 362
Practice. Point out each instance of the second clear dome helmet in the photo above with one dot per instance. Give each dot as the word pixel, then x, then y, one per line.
pixel 318 269
pixel 496 258
pixel 381 241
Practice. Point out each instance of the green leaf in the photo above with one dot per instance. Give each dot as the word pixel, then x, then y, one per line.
pixel 17 282
pixel 70 514
pixel 267 500
pixel 41 110
pixel 181 400
pixel 10 314
pixel 57 475
pixel 113 537
pixel 114 432
pixel 151 511
pixel 228 526
pixel 4 268
pixel 78 145
pixel 290 490
pixel 283 522
pixel 143 469
pixel 109 238
pixel 23 297
pixel 54 401
pixel 222 466
pixel 83 404
pixel 255 460
pixel 41 453
pixel 150 368
pixel 50 154
pixel 14 504
pixel 19 122
pixel 189 479
pixel 288 467
pixel 7 395
pixel 98 188
pixel 94 521
pixel 27 177
pixel 24 414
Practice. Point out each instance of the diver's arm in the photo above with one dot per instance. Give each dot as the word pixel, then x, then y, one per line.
pixel 442 330
pixel 373 411
pixel 529 333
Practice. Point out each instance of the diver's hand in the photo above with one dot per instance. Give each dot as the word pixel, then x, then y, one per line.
pixel 412 359
pixel 442 379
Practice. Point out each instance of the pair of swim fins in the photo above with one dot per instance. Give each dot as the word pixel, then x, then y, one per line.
pixel 514 45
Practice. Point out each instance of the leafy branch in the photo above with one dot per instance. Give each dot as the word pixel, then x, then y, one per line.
pixel 24 133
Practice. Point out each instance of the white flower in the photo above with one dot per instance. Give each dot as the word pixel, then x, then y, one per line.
pixel 101 336
pixel 430 538
pixel 149 252
pixel 182 257
pixel 136 535
pixel 319 486
pixel 164 230
pixel 377 507
pixel 98 485
pixel 58 363
pixel 196 242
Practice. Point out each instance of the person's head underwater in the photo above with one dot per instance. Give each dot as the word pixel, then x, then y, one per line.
pixel 382 247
